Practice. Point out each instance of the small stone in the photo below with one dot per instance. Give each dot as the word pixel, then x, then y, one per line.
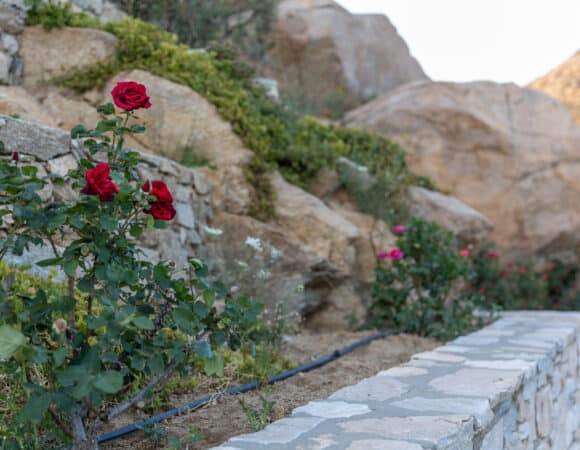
pixel 475 340
pixel 375 444
pixel 9 44
pixel 528 367
pixel 282 431
pixel 5 63
pixel 477 407
pixel 454 349
pixel 493 440
pixel 495 385
pixel 61 165
pixel 372 389
pixel 332 410
pixel 544 411
pixel 449 432
pixel 403 371
pixel 440 357
pixel 202 183
pixel 185 216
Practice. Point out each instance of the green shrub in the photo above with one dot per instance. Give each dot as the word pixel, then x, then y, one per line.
pixel 515 286
pixel 199 23
pixel 420 288
pixel 279 137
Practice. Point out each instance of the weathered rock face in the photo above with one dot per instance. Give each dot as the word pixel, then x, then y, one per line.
pixel 563 83
pixel 182 121
pixel 509 152
pixel 469 225
pixel 50 54
pixel 333 57
pixel 16 102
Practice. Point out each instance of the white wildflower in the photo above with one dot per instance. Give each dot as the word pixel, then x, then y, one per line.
pixel 275 253
pixel 242 264
pixel 213 231
pixel 234 289
pixel 255 243
pixel 263 274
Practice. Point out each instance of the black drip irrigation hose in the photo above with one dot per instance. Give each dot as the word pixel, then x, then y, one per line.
pixel 126 430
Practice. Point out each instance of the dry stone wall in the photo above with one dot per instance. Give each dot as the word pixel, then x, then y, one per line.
pixel 513 385
pixel 53 152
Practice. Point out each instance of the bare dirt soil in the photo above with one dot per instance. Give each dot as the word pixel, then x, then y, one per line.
pixel 220 420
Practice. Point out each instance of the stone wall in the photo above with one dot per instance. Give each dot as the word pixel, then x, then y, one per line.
pixel 512 385
pixel 53 152
pixel 12 23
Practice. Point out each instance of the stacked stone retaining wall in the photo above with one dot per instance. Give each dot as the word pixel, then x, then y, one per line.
pixel 53 152
pixel 512 385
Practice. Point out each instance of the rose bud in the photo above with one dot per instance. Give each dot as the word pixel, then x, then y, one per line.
pixel 15 156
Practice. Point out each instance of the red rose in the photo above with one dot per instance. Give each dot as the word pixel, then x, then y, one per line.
pixel 129 95
pixel 99 183
pixel 15 156
pixel 162 208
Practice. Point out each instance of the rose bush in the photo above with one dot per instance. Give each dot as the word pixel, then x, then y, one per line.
pixel 124 325
pixel 421 285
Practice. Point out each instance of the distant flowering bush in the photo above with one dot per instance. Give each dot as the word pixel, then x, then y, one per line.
pixel 125 324
pixel 394 254
pixel 420 289
pixel 399 229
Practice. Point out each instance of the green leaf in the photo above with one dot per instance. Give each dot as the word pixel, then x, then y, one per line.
pixel 36 407
pixel 183 318
pixel 70 266
pixel 203 349
pixel 150 221
pixel 107 109
pixel 10 341
pixel 78 131
pixel 108 223
pixel 144 323
pixel 109 382
pixel 156 364
pixel 49 262
pixel 214 366
pixel 59 356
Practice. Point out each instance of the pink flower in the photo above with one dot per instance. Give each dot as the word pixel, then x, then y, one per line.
pixel 464 252
pixel 394 254
pixel 492 255
pixel 482 290
pixel 399 229
pixel 382 255
pixel 523 269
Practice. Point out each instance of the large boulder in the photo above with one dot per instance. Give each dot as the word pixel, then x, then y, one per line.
pixel 469 225
pixel 321 231
pixel 16 102
pixel 182 122
pixel 334 58
pixel 47 55
pixel 509 152
pixel 563 83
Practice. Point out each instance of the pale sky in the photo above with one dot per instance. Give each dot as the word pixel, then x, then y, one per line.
pixel 498 40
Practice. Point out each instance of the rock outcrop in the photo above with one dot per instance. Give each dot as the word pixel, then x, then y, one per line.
pixel 50 54
pixel 334 58
pixel 509 152
pixel 181 121
pixel 469 225
pixel 563 83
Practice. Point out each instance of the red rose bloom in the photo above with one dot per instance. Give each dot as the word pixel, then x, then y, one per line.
pixel 99 183
pixel 162 208
pixel 129 95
